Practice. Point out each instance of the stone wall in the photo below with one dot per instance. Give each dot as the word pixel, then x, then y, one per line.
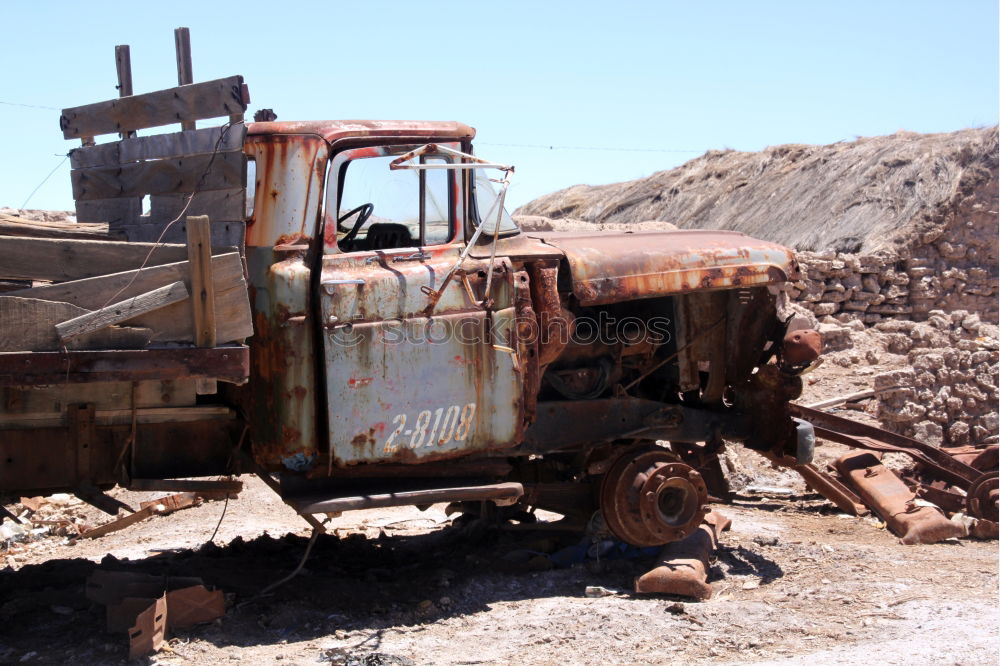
pixel 948 262
pixel 876 287
pixel 947 391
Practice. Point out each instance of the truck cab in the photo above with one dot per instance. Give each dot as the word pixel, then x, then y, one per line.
pixel 399 354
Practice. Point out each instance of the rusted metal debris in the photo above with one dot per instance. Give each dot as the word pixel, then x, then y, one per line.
pixel 914 522
pixel 861 436
pixel 157 507
pixel 147 607
pixel 962 481
pixel 822 483
pixel 801 347
pixel 682 567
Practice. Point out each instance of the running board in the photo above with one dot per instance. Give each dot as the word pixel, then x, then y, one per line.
pixel 503 494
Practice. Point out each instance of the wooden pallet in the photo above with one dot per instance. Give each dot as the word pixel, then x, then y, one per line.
pixel 111 180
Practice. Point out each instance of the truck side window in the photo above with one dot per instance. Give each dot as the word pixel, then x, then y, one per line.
pixel 485 212
pixel 251 186
pixel 381 209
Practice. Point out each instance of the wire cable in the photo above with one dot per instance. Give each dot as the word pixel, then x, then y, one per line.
pixel 590 148
pixel 44 180
pixel 31 106
pixel 219 524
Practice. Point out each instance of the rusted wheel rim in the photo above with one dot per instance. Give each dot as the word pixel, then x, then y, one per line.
pixel 983 496
pixel 648 498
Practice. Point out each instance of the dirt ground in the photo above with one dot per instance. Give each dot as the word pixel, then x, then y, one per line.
pixel 795 583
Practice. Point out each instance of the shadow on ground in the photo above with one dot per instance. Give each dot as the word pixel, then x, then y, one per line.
pixel 349 584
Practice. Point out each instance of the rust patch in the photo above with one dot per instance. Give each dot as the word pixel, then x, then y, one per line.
pixel 364 439
pixel 801 347
pixel 290 435
pixel 611 268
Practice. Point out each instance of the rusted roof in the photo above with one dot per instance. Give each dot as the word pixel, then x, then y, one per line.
pixel 334 130
pixel 616 267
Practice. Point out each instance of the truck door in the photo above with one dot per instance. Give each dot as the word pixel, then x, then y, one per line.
pixel 403 386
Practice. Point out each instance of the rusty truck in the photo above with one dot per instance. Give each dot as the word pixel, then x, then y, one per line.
pixel 410 344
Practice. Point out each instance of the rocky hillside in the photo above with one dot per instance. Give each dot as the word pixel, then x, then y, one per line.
pixel 890 227
pixel 865 195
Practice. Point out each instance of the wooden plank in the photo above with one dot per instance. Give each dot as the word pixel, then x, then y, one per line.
pixel 83 434
pixel 60 260
pixel 202 289
pixel 832 402
pixel 210 99
pixel 7 286
pixel 113 417
pixel 229 363
pixel 159 146
pixel 219 205
pixel 122 311
pixel 95 292
pixel 120 524
pixel 53 400
pixel 16 226
pixel 167 176
pixel 185 70
pixel 123 63
pixel 233 318
pixel 199 243
pixel 28 325
pixel 224 234
pixel 113 212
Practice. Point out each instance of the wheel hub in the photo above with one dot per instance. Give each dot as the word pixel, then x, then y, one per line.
pixel 648 498
pixel 983 496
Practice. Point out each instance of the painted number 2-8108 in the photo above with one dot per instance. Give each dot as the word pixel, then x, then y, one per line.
pixel 431 429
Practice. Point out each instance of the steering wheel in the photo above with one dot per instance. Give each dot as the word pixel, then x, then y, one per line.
pixel 364 211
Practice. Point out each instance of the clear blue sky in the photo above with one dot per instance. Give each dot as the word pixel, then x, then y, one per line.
pixel 679 77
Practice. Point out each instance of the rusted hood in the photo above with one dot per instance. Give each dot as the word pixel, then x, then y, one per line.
pixel 614 267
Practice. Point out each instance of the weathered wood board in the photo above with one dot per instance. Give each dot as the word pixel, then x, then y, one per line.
pixel 230 363
pixel 167 176
pixel 175 323
pixel 224 234
pixel 116 313
pixel 29 325
pixel 159 146
pixel 197 101
pixel 114 212
pixel 16 226
pixel 234 320
pixel 220 206
pixel 54 400
pixel 61 259
pixel 96 292
pixel 144 415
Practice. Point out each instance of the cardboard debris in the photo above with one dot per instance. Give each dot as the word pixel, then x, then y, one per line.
pixel 147 606
pixel 150 629
pixel 194 605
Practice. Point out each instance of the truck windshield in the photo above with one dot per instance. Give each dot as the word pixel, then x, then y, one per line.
pixel 486 200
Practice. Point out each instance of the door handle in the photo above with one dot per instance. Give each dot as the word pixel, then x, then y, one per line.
pixel 416 256
pixel 329 286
